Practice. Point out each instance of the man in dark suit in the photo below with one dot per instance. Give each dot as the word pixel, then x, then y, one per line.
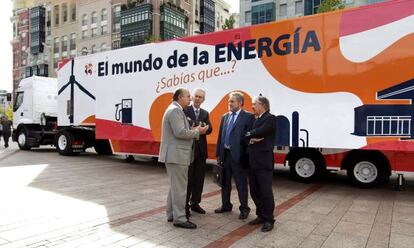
pixel 197 169
pixel 231 152
pixel 260 151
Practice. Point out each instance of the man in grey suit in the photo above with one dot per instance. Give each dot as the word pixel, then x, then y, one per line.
pixel 176 151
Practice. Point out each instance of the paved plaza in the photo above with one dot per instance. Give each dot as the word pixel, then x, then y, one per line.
pixel 49 200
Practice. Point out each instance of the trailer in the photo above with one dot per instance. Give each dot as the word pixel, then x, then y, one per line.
pixel 340 84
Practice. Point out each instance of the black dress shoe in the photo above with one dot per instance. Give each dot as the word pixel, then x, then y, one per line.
pixel 256 221
pixel 243 215
pixel 170 220
pixel 198 209
pixel 186 225
pixel 267 226
pixel 221 210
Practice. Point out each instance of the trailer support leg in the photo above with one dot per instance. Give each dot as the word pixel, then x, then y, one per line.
pixel 400 183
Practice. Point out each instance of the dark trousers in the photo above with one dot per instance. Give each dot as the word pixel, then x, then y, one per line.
pixel 6 137
pixel 261 192
pixel 196 173
pixel 239 174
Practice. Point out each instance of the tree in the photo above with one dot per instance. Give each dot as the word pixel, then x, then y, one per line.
pixel 229 23
pixel 330 5
pixel 151 39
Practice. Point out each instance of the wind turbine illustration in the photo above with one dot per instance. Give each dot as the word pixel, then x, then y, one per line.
pixel 72 82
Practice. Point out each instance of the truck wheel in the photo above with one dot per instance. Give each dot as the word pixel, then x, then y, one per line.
pixel 22 139
pixel 306 167
pixel 63 144
pixel 366 172
pixel 102 147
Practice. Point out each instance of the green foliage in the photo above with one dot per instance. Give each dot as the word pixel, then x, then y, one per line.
pixel 330 5
pixel 229 23
pixel 151 39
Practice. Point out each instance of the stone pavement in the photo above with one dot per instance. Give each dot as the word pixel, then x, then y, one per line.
pixel 49 200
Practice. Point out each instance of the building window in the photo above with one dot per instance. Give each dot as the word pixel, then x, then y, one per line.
pixel 56 11
pixel 94 17
pixel 73 12
pixel 104 29
pixel 72 45
pixel 104 47
pixel 104 15
pixel 263 13
pixel 84 34
pixel 64 46
pixel 94 32
pixel 117 27
pixel 84 20
pixel 93 49
pixel 56 45
pixel 65 12
pixel 299 7
pixel 84 51
pixel 283 10
pixel 116 44
pixel 248 16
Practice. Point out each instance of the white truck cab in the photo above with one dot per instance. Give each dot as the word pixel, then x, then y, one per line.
pixel 35 112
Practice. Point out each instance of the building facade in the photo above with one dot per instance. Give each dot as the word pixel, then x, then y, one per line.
pixel 262 11
pixel 149 20
pixel 222 12
pixel 64 21
pixel 94 27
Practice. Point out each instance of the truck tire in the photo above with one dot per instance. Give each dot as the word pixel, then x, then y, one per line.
pixel 306 167
pixel 102 147
pixel 22 137
pixel 367 171
pixel 63 143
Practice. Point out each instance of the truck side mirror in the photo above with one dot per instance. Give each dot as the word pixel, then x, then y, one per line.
pixel 9 97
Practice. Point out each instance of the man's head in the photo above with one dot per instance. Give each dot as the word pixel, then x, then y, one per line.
pixel 260 105
pixel 198 97
pixel 182 96
pixel 236 101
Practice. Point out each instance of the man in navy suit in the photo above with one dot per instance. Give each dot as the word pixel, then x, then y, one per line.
pixel 197 170
pixel 261 160
pixel 231 152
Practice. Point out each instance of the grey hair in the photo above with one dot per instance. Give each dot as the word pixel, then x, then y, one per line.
pixel 199 90
pixel 264 102
pixel 238 95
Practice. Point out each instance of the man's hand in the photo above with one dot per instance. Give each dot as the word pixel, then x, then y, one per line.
pixel 202 130
pixel 255 140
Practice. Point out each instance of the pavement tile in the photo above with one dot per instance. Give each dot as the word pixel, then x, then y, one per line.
pixel 401 241
pixel 402 228
pixel 281 239
pixel 358 217
pixel 299 228
pixel 353 229
pixel 313 241
pixel 341 240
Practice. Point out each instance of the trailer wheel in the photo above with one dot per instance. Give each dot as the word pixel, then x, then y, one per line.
pixel 102 147
pixel 366 171
pixel 63 143
pixel 22 139
pixel 306 167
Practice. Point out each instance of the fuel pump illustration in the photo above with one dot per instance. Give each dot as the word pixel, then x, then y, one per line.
pixel 124 110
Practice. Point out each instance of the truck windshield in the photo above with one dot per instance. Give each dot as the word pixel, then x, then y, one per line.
pixel 19 101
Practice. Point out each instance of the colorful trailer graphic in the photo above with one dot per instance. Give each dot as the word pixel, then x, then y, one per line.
pixel 333 81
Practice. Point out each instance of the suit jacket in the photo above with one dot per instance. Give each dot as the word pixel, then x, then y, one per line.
pixel 176 137
pixel 242 124
pixel 200 145
pixel 261 153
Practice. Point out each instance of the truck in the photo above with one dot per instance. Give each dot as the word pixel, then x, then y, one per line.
pixel 340 84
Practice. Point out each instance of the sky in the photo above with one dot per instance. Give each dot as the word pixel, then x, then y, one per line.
pixel 6 35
